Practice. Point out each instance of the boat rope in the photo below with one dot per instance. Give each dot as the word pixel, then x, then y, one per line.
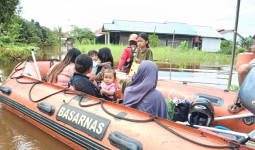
pixel 19 77
pixel 16 70
pixel 192 141
pixel 101 101
pixel 30 97
pixel 152 117
pixel 124 118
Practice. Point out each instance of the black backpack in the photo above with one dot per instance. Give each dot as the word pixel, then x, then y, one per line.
pixel 129 64
pixel 181 112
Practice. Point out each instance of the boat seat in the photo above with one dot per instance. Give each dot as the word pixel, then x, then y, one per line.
pixel 247 91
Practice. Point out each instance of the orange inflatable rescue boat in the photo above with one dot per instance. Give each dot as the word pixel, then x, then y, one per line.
pixel 221 99
pixel 85 122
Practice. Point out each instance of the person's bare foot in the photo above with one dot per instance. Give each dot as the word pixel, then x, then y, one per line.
pixel 234 109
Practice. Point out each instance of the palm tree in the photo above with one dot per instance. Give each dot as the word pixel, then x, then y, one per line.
pixel 59 33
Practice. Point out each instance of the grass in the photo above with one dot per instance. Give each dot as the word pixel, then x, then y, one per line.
pixel 162 55
pixel 15 51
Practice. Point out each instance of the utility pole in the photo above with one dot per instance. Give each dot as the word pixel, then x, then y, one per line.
pixel 171 55
pixel 234 43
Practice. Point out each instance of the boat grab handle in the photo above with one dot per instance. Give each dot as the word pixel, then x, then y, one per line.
pixel 46 108
pixel 6 90
pixel 122 141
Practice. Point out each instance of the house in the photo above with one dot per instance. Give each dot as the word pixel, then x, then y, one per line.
pixel 208 39
pixel 229 34
pixel 119 31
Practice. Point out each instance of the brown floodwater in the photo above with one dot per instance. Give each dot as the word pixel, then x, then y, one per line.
pixel 18 134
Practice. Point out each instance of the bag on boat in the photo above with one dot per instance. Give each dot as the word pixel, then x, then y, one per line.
pixel 171 107
pixel 181 112
pixel 247 90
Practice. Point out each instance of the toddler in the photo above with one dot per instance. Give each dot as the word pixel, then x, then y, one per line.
pixel 93 54
pixel 100 75
pixel 108 86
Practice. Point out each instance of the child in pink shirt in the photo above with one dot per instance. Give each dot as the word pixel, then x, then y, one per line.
pixel 108 85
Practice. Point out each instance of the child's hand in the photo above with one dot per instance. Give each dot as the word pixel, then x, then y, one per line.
pixel 102 91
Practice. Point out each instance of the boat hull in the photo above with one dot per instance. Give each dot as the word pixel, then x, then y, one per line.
pixel 150 134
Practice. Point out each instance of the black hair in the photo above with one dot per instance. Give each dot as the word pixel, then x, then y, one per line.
pixel 132 43
pixel 254 36
pixel 72 54
pixel 83 63
pixel 145 37
pixel 105 55
pixel 110 71
pixel 92 52
pixel 70 57
pixel 107 66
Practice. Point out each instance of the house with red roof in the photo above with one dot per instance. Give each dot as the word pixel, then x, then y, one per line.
pixel 229 34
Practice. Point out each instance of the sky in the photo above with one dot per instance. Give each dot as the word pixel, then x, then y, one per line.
pixel 218 14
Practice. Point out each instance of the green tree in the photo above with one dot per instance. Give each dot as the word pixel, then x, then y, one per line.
pixel 7 9
pixel 20 30
pixel 246 42
pixel 58 31
pixel 154 39
pixel 81 34
pixel 12 28
pixel 184 45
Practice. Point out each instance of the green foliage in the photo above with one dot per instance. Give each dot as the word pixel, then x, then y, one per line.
pixel 13 30
pixel 248 41
pixel 82 34
pixel 239 50
pixel 5 39
pixel 7 9
pixel 154 39
pixel 162 54
pixel 58 31
pixel 21 30
pixel 1 44
pixel 227 46
pixel 184 45
pixel 233 88
pixel 16 51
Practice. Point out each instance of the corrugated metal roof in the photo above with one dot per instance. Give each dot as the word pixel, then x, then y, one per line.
pixel 204 31
pixel 150 27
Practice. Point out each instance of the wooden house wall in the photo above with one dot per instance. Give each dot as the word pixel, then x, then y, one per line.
pixel 165 40
pixel 124 36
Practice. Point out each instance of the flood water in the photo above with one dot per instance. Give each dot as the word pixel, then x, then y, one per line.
pixel 18 134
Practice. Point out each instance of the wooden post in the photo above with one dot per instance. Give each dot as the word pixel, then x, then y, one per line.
pixel 108 39
pixel 105 38
pixel 171 55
